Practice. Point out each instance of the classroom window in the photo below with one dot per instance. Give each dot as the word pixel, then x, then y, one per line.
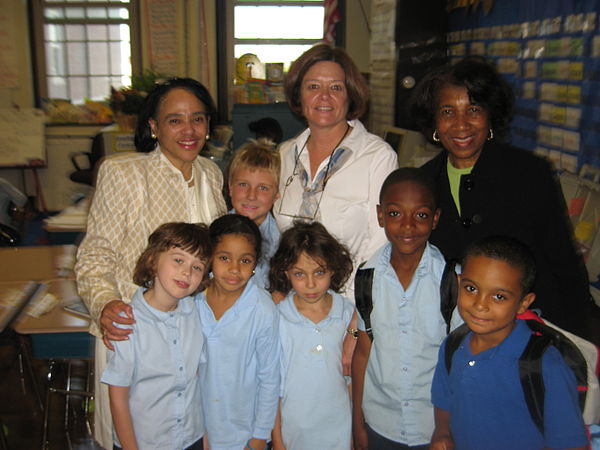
pixel 277 31
pixel 86 47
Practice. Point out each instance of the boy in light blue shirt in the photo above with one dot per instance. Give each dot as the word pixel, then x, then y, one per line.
pixel 391 376
pixel 253 187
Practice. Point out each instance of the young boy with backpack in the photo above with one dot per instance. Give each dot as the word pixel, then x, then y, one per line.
pixel 480 384
pixel 391 375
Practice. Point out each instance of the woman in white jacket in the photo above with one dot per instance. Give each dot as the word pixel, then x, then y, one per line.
pixel 166 181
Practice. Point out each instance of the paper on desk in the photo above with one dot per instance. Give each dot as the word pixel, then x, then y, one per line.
pixel 41 303
pixel 71 218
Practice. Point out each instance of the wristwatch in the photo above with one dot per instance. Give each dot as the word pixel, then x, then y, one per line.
pixel 352 332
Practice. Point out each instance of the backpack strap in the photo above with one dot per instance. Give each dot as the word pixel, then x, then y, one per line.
pixel 571 354
pixel 448 292
pixel 363 295
pixel 453 341
pixel 532 380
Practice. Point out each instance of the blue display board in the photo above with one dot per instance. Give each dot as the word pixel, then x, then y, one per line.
pixel 550 52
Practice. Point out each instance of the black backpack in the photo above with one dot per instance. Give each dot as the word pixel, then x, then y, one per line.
pixel 530 364
pixel 363 294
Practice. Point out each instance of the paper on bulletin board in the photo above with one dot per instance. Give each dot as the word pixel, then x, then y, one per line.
pixel 8 46
pixel 163 35
pixel 22 136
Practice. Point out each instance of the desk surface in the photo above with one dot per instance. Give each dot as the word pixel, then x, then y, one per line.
pixel 44 263
pixel 57 320
pixel 35 263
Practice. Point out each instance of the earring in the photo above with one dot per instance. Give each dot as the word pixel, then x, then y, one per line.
pixel 491 136
pixel 207 136
pixel 153 136
pixel 435 136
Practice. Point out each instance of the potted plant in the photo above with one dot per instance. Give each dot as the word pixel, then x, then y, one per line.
pixel 126 102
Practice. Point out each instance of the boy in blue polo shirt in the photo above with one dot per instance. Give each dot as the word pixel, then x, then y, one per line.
pixel 391 376
pixel 480 403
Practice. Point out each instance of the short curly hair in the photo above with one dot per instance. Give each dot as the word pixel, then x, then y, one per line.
pixel 358 90
pixel 485 85
pixel 191 237
pixel 314 240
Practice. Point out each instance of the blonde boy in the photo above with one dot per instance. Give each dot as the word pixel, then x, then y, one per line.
pixel 253 187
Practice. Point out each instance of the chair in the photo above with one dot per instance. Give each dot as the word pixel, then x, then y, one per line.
pixel 82 174
pixel 63 351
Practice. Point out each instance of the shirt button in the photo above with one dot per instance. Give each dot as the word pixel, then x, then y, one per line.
pixel 471 363
pixel 402 433
pixel 178 420
pixel 405 369
pixel 405 403
pixel 317 330
pixel 404 331
pixel 181 369
pixel 179 394
pixel 174 341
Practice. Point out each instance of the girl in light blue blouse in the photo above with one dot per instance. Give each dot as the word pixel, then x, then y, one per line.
pixel 311 267
pixel 153 376
pixel 240 379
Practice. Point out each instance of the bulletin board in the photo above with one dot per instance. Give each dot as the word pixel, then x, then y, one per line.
pixel 22 137
pixel 550 52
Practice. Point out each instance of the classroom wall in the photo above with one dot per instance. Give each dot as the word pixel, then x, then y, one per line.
pixel 358 36
pixel 15 13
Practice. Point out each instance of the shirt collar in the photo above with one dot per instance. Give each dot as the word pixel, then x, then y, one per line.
pixel 184 307
pixel 512 346
pixel 292 314
pixel 174 170
pixel 348 144
pixel 248 298
pixel 424 268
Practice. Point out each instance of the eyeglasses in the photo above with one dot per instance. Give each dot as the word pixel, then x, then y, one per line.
pixel 307 192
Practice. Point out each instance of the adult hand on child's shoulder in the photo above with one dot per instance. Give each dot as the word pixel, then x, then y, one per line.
pixel 115 311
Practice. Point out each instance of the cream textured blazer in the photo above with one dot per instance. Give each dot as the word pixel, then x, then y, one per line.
pixel 135 193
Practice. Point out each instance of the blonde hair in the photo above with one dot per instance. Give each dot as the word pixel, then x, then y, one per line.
pixel 255 155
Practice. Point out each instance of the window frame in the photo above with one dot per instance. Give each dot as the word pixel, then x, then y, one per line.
pixel 226 42
pixel 36 14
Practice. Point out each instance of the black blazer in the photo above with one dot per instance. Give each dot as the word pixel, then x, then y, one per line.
pixel 513 192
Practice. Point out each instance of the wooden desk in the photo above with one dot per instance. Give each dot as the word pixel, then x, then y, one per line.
pixel 35 263
pixel 44 264
pixel 57 320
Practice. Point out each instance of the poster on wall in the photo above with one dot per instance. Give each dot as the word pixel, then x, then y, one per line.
pixel 8 46
pixel 162 35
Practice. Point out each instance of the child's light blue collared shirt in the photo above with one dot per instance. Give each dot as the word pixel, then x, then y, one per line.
pixel 315 403
pixel 408 329
pixel 240 379
pixel 159 363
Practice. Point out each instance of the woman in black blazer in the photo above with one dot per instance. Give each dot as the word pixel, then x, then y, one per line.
pixel 486 187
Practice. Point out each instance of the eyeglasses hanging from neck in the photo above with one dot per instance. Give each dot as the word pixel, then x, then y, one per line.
pixel 312 194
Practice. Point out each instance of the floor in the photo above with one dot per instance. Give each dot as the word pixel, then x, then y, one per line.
pixel 22 411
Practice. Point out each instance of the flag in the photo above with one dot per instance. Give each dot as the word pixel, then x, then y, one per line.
pixel 332 17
